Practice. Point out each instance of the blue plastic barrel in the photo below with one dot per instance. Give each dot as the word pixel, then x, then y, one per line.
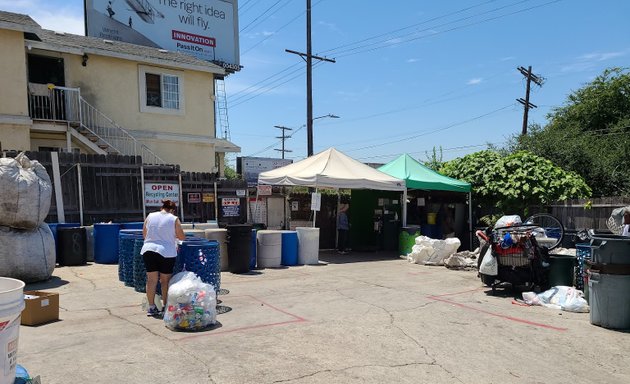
pixel 252 255
pixel 126 240
pixel 106 243
pixel 202 258
pixel 289 248
pixel 138 268
pixel 132 225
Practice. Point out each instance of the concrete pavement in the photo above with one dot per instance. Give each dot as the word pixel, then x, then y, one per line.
pixel 356 318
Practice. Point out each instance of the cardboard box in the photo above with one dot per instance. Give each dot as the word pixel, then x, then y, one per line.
pixel 40 307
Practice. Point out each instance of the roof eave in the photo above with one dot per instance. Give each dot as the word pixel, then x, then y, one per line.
pixel 211 68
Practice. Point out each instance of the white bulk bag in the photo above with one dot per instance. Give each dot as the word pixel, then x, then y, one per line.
pixel 26 191
pixel 27 255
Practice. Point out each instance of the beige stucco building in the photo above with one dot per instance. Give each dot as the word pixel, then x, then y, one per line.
pixel 75 93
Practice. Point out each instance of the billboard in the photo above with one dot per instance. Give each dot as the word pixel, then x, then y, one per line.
pixel 250 167
pixel 206 29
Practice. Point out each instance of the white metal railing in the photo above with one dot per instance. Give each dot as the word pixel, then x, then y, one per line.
pixel 66 104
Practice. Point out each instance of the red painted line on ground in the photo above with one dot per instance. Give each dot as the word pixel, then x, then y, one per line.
pixel 436 298
pixel 458 293
pixel 279 310
pixel 297 318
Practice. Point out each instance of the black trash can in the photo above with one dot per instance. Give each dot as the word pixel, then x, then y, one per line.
pixel 71 246
pixel 239 238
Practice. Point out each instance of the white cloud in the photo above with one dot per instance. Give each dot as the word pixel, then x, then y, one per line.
pixel 507 58
pixel 49 15
pixel 412 60
pixel 65 22
pixel 601 56
pixel 475 81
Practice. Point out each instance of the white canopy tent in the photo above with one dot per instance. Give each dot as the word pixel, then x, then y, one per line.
pixel 333 169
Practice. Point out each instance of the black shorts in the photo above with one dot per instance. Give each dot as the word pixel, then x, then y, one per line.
pixel 154 262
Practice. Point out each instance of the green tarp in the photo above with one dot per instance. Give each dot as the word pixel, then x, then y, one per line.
pixel 417 176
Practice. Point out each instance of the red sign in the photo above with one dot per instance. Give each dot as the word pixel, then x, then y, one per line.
pixel 195 39
pixel 194 197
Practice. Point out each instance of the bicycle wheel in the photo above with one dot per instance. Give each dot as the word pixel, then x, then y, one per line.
pixel 552 230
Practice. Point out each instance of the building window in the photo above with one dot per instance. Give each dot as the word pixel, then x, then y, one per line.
pixel 161 91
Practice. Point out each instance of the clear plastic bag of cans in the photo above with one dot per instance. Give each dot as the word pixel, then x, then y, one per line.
pixel 191 303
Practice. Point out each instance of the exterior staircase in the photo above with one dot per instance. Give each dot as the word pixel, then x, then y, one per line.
pixel 85 122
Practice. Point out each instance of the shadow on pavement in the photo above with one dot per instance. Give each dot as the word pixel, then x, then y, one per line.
pixel 332 257
pixel 53 282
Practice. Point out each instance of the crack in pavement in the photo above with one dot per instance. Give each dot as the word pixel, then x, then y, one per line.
pixel 181 348
pixel 359 366
pixel 391 322
pixel 82 278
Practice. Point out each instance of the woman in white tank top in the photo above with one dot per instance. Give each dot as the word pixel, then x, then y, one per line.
pixel 161 231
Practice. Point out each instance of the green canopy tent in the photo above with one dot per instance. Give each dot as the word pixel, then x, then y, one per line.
pixel 417 176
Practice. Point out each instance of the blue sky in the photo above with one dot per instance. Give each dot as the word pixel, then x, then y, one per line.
pixel 440 73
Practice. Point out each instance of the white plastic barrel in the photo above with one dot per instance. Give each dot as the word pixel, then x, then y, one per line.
pixel 11 306
pixel 206 225
pixel 269 244
pixel 220 235
pixel 308 245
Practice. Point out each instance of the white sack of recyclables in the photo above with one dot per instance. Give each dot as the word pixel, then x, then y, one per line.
pixel 27 255
pixel 430 251
pixel 559 297
pixel 26 192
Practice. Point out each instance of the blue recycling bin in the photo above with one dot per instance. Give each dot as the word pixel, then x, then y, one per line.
pixel 106 243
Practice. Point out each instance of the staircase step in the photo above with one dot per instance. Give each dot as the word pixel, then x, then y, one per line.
pixel 103 146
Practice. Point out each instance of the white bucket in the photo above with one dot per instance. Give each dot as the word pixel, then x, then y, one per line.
pixel 11 306
pixel 308 245
pixel 269 244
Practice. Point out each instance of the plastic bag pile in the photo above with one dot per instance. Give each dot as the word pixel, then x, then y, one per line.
pixel 430 251
pixel 559 297
pixel 191 303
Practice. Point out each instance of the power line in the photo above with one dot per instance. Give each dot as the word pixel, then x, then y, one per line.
pixel 272 88
pixel 435 130
pixel 259 16
pixel 404 28
pixel 277 30
pixel 416 38
pixel 441 32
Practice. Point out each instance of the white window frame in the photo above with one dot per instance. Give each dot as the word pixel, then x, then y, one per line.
pixel 142 90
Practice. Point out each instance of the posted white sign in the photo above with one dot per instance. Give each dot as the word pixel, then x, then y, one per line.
pixel 154 193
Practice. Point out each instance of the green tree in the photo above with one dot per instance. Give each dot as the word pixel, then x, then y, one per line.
pixel 434 160
pixel 231 174
pixel 510 184
pixel 590 134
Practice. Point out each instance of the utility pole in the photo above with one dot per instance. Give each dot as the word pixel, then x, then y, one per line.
pixel 308 57
pixel 283 137
pixel 284 194
pixel 526 104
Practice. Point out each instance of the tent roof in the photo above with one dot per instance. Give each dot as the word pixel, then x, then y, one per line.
pixel 418 176
pixel 331 169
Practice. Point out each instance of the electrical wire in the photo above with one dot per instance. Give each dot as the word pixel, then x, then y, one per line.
pixel 398 43
pixel 263 14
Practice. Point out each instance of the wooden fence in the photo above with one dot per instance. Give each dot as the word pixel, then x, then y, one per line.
pixel 104 188
pixel 587 213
